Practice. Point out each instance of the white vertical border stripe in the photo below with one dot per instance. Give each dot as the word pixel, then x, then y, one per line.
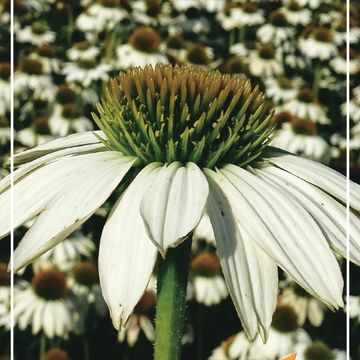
pixel 12 179
pixel 347 179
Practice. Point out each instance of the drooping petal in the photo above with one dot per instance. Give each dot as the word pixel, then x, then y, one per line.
pixel 173 204
pixel 73 140
pixel 127 255
pixel 73 205
pixel 329 214
pixel 250 274
pixel 286 232
pixel 34 164
pixel 317 174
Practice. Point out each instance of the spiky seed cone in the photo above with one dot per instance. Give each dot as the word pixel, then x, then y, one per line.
pixel 167 114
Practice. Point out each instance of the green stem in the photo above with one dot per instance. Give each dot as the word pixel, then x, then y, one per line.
pixel 317 78
pixel 172 280
pixel 42 347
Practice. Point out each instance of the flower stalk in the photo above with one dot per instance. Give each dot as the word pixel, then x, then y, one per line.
pixel 172 278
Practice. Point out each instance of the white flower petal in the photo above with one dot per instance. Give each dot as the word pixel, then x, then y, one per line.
pixel 250 274
pixel 317 174
pixel 329 213
pixel 72 140
pixel 173 204
pixel 73 205
pixel 126 255
pixel 286 232
pixel 32 165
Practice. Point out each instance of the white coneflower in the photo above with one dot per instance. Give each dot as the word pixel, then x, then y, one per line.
pixel 209 285
pixel 151 12
pixel 31 77
pixel 305 105
pixel 312 4
pixel 277 30
pixel 83 50
pixel 340 33
pixel 354 106
pixel 300 137
pixel 47 55
pixel 37 34
pixel 198 55
pixel 4 88
pixel 353 307
pixel 183 5
pixel 265 62
pixel 235 16
pixel 296 14
pixel 142 49
pixel 67 119
pixel 4 285
pixel 66 254
pixel 44 304
pixel 86 72
pixel 305 306
pixel 318 44
pixel 285 337
pixel 339 63
pixel 140 320
pixel 242 50
pixel 234 65
pixel 204 231
pixel 197 141
pixel 319 351
pixel 101 15
pixel 38 133
pixel 174 46
pixel 281 89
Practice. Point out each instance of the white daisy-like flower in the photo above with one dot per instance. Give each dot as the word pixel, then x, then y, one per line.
pixel 183 5
pixel 100 16
pixel 296 14
pixel 277 30
pixel 340 34
pixel 46 54
pixel 36 34
pixel 306 106
pixel 265 62
pixel 305 306
pixel 83 50
pixel 140 320
pixel 242 50
pixel 282 89
pixel 44 304
pixel 285 337
pixel 319 350
pixel 318 45
pixel 86 72
pixel 238 16
pixel 66 254
pixel 5 94
pixel 198 55
pixel 38 133
pixel 67 119
pixel 4 285
pixel 5 134
pixel 354 108
pixel 208 284
pixel 340 66
pixel 174 46
pixel 263 216
pixel 31 77
pixel 312 4
pixel 141 50
pixel 204 231
pixel 300 137
pixel 353 307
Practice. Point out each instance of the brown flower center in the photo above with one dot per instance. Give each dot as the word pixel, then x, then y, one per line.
pixel 153 8
pixel 294 6
pixel 278 19
pixel 281 118
pixel 205 264
pixel 38 28
pixel 65 94
pixel 145 39
pixel 82 45
pixel 267 52
pixel 110 3
pixel 197 54
pixel 56 354
pixel 146 304
pixel 70 111
pixel 86 273
pixel 42 125
pixel 235 66
pixel 50 284
pixel 31 66
pixel 46 50
pixel 175 42
pixel 306 95
pixel 285 319
pixel 303 126
pixel 5 70
pixel 4 275
pixel 249 8
pixel 322 34
pixel 318 351
pixel 87 64
pixel 284 83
